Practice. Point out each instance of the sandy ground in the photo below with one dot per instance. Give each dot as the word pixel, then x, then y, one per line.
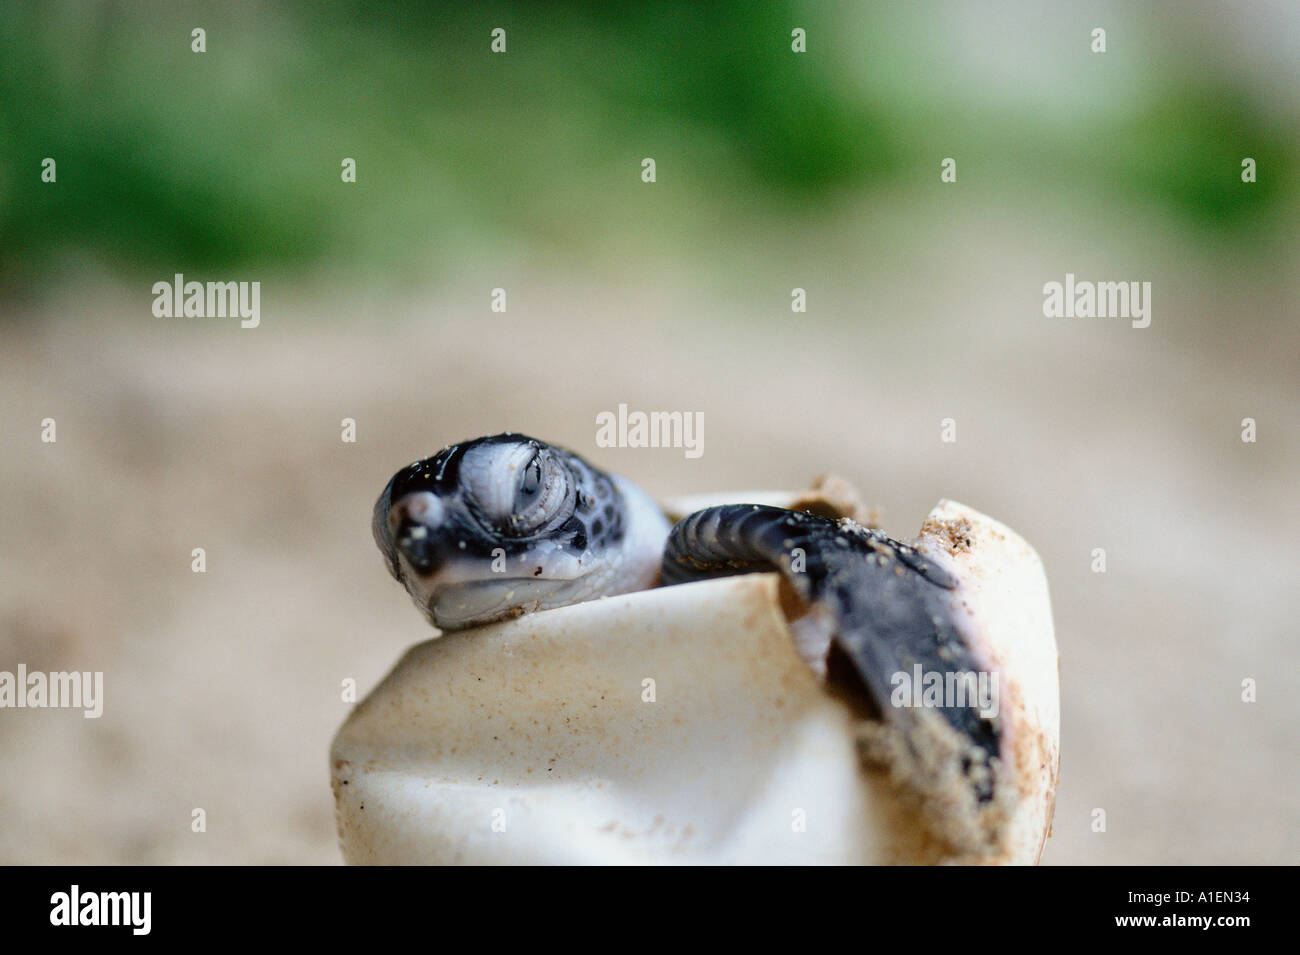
pixel 223 689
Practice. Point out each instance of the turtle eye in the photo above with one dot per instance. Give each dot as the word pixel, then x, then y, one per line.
pixel 532 480
pixel 519 488
pixel 542 490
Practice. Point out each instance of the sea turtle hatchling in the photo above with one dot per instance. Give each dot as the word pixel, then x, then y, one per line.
pixel 506 525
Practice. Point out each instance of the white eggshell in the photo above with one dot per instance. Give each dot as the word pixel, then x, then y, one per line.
pixel 537 740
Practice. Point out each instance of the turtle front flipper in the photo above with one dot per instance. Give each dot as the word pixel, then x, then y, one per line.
pixel 894 614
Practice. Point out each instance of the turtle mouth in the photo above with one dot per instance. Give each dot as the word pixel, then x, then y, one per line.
pixel 438 565
pixel 458 589
pixel 459 604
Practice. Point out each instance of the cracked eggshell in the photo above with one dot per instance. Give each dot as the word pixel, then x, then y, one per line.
pixel 1004 600
pixel 543 739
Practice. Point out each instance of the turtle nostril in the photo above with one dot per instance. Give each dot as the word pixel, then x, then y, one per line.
pixel 418 547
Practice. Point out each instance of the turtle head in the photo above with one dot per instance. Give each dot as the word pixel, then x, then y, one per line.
pixel 503 525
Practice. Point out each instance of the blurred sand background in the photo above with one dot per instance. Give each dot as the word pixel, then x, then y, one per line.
pixel 925 302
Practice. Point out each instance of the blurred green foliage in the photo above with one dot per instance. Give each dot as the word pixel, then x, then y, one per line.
pixel 172 160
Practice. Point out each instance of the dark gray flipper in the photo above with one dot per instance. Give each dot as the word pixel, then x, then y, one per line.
pixel 892 608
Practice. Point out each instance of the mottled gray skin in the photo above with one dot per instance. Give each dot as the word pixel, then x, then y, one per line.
pixel 505 525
